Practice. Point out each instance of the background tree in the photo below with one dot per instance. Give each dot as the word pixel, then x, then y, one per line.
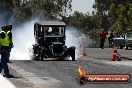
pixel 25 9
pixel 85 22
pixel 5 11
pixel 117 14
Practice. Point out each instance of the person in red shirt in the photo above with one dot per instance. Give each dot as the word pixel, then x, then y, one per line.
pixel 102 36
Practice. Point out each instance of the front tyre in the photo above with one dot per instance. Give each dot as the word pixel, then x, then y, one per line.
pixel 126 47
pixel 73 55
pixel 72 52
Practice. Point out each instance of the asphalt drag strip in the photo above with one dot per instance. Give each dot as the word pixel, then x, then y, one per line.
pixel 18 80
pixel 35 81
pixel 62 74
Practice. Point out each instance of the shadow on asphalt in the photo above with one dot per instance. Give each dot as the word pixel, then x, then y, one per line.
pixel 14 77
pixel 54 60
pixel 127 58
pixel 109 59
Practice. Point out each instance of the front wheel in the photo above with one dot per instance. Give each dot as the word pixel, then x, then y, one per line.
pixel 72 52
pixel 126 47
pixel 35 57
pixel 73 55
pixel 38 56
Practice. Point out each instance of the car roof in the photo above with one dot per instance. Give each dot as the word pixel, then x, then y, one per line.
pixel 51 23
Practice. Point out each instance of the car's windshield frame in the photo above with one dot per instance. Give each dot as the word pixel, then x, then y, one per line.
pixel 54 31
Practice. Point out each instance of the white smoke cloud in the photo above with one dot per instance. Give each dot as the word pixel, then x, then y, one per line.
pixel 76 38
pixel 23 38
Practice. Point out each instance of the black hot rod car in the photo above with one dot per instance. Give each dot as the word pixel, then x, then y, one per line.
pixel 50 41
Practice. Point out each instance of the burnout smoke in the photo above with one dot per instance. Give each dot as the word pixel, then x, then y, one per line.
pixel 71 39
pixel 76 38
pixel 23 38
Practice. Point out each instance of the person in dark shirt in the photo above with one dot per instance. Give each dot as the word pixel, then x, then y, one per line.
pixel 102 37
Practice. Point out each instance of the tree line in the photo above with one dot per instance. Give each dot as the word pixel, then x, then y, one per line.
pixel 25 9
pixel 107 14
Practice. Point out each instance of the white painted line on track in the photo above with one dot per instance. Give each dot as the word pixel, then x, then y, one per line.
pixel 5 83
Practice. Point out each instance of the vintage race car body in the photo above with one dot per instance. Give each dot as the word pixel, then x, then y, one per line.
pixel 50 40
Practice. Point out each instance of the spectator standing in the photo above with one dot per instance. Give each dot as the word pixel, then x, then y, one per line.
pixel 110 39
pixel 102 37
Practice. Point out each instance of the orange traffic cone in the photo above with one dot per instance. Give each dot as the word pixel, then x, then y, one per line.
pixel 114 55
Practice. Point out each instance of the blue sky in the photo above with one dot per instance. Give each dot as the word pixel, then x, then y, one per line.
pixel 82 5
